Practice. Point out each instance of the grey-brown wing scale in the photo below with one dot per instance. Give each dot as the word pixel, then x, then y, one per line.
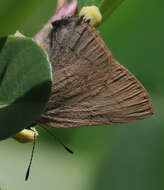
pixel 89 86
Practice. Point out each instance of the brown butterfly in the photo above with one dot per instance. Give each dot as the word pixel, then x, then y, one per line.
pixel 89 86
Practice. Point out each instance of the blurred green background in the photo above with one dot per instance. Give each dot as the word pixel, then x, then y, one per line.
pixel 116 157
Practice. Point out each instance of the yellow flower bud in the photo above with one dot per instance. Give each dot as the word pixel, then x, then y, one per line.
pixel 25 136
pixel 92 12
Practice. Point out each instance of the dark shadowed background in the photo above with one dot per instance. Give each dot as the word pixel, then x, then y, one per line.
pixel 116 157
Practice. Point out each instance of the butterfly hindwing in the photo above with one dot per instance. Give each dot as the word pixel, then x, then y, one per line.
pixel 89 86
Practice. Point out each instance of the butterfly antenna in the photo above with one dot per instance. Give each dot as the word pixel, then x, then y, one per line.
pixel 32 154
pixel 59 141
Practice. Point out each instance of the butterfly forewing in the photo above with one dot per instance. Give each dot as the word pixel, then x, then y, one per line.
pixel 89 86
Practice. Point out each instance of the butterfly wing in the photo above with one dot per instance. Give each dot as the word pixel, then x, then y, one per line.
pixel 90 87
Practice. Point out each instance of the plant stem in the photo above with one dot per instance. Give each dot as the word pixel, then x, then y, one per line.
pixel 108 6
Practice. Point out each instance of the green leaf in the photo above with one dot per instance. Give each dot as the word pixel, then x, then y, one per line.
pixel 14 13
pixel 25 84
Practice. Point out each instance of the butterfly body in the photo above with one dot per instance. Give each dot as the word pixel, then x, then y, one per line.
pixel 89 86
